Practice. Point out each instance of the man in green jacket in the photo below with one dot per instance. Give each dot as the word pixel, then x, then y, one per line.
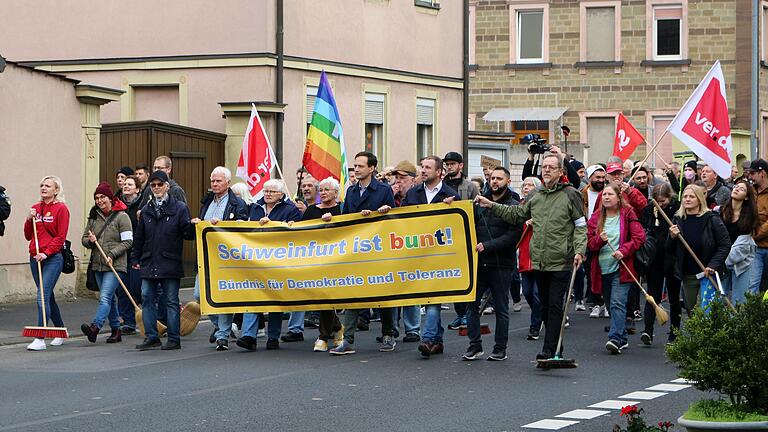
pixel 559 241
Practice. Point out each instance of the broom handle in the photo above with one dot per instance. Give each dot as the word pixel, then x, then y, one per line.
pixel 693 255
pixel 639 285
pixel 39 271
pixel 574 270
pixel 135 306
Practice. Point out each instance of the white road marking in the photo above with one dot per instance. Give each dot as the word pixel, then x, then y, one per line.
pixel 669 387
pixel 643 395
pixel 613 404
pixel 681 381
pixel 582 414
pixel 550 424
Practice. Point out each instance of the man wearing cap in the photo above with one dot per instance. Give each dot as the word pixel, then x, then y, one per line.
pixel 758 173
pixel 596 177
pixel 157 248
pixel 630 195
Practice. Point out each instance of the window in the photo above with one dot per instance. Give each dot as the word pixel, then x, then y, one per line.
pixel 667 32
pixel 425 120
pixel 310 105
pixel 763 30
pixel 598 130
pixel 374 125
pixel 472 36
pixel 601 36
pixel 530 37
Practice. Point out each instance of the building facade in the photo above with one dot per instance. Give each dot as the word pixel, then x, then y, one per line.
pixel 538 65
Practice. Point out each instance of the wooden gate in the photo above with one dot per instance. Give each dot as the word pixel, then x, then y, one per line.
pixel 194 152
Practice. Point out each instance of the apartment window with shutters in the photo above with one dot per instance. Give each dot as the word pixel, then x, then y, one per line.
pixel 375 104
pixel 601 34
pixel 667 32
pixel 425 121
pixel 530 36
pixel 310 105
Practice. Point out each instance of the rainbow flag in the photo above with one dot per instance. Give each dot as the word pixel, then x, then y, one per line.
pixel 324 153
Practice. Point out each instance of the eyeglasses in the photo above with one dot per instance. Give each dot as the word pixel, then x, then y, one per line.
pixel 271 192
pixel 156 185
pixel 327 189
pixel 549 167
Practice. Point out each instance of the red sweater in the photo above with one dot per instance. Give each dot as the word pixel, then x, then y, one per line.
pixel 52 224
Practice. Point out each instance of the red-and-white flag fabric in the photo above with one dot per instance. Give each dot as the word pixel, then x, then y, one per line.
pixel 703 124
pixel 627 138
pixel 256 156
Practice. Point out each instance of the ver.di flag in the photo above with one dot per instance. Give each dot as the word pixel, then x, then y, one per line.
pixel 627 138
pixel 703 124
pixel 256 156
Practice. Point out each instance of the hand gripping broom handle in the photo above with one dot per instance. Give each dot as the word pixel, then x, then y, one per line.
pixel 693 255
pixel 135 306
pixel 639 285
pixel 39 271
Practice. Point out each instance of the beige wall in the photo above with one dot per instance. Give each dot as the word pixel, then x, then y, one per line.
pixel 39 135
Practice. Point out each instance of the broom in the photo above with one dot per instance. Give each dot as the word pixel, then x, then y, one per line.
pixel 137 310
pixel 44 331
pixel 661 315
pixel 695 258
pixel 190 317
pixel 557 361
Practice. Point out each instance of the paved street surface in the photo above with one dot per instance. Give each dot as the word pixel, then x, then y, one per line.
pixel 96 387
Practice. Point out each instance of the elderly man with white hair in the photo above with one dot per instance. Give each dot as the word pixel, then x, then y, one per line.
pixel 221 203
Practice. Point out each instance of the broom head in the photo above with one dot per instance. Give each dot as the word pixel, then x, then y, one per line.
pixel 484 329
pixel 661 315
pixel 556 362
pixel 161 328
pixel 190 317
pixel 45 332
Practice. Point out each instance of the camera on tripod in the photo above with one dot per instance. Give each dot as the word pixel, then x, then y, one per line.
pixel 536 144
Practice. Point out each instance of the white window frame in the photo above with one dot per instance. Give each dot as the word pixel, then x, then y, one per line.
pixel 655 28
pixel 516 6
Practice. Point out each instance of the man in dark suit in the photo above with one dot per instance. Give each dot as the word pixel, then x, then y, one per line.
pixel 430 191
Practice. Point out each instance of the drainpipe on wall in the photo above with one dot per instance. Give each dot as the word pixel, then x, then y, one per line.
pixel 279 83
pixel 465 94
pixel 755 126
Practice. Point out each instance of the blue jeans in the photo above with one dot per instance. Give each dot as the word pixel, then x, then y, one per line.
pixel 51 271
pixel 124 306
pixel 224 322
pixel 296 322
pixel 618 306
pixel 433 329
pixel 495 280
pixel 107 301
pixel 411 318
pixel 166 293
pixel 274 324
pixel 531 294
pixel 758 266
pixel 738 286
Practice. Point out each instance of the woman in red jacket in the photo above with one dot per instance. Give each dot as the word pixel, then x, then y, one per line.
pixel 614 223
pixel 51 217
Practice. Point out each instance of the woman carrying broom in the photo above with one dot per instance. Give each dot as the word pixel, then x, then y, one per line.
pixel 51 219
pixel 110 226
pixel 613 235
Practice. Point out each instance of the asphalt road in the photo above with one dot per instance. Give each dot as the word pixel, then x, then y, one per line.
pixel 95 387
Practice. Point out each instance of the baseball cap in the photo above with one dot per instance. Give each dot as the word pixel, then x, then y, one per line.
pixel 405 168
pixel 612 167
pixel 453 156
pixel 159 175
pixel 758 164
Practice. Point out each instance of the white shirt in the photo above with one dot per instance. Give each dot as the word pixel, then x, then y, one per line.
pixel 592 200
pixel 432 192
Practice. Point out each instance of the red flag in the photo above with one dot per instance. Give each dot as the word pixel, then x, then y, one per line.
pixel 256 157
pixel 627 138
pixel 703 124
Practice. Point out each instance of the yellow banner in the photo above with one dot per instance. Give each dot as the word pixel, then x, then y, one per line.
pixel 412 255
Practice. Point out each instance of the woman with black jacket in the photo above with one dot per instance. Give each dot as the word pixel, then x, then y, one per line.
pixel 661 267
pixel 707 236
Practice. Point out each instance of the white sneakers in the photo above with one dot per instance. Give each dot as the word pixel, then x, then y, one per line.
pixel 580 305
pixel 599 312
pixel 604 311
pixel 57 342
pixel 517 307
pixel 36 345
pixel 595 313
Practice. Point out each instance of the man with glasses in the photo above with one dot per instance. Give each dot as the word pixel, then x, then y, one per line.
pixel 164 163
pixel 559 241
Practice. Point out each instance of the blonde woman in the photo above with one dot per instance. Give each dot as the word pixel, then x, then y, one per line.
pixel 705 233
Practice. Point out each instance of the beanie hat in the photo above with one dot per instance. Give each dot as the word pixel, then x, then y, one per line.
pixel 128 171
pixel 104 189
pixel 576 165
pixel 690 164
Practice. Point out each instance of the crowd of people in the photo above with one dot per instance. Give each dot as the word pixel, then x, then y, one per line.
pixel 607 223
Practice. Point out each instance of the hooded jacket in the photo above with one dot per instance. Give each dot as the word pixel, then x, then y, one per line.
pixel 631 237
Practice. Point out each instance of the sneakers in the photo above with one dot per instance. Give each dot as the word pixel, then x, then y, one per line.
pixel 90 331
pixel 580 306
pixel 595 313
pixel 459 323
pixel 261 333
pixel 273 344
pixel 36 345
pixel 624 346
pixel 387 344
pixel 291 337
pixel 604 313
pixel 247 342
pixel 212 337
pixel 498 355
pixel 488 310
pixel 411 337
pixel 533 333
pixel 320 346
pixel 171 346
pixel 544 355
pixel 613 347
pixel 222 345
pixel 339 337
pixel 517 307
pixel 473 353
pixel 638 316
pixel 57 342
pixel 343 349
pixel 148 343
pixel 567 322
pixel 671 338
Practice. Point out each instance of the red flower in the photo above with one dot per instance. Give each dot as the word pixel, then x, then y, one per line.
pixel 629 410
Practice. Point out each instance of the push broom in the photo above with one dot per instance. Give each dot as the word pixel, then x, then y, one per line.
pixel 190 317
pixel 137 310
pixel 557 361
pixel 44 331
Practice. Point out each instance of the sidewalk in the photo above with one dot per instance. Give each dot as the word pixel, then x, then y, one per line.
pixel 13 318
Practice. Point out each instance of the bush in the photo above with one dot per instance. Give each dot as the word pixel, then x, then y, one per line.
pixel 720 411
pixel 726 352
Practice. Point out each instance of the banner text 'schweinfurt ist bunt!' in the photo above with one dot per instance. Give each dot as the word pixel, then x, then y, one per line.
pixel 415 255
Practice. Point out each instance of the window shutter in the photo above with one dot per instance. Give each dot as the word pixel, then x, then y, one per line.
pixel 374 108
pixel 311 95
pixel 425 111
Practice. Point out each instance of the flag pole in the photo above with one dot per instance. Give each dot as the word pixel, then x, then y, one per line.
pixel 647 154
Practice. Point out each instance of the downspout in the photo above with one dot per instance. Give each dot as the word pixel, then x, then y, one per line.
pixel 755 126
pixel 279 117
pixel 465 94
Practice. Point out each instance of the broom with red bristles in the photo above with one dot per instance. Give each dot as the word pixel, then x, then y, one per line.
pixel 44 331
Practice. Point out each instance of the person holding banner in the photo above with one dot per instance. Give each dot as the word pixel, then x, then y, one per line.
pixel 706 234
pixel 364 197
pixel 559 241
pixel 220 204
pixel 273 206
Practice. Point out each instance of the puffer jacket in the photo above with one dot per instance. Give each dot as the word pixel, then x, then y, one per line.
pixel 631 238
pixel 159 239
pixel 559 225
pixel 116 239
pixel 715 240
pixel 498 237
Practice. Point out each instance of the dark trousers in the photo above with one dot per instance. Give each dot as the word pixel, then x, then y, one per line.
pixel 329 323
pixel 515 286
pixel 656 281
pixel 461 308
pixel 552 289
pixel 495 280
pixel 124 306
